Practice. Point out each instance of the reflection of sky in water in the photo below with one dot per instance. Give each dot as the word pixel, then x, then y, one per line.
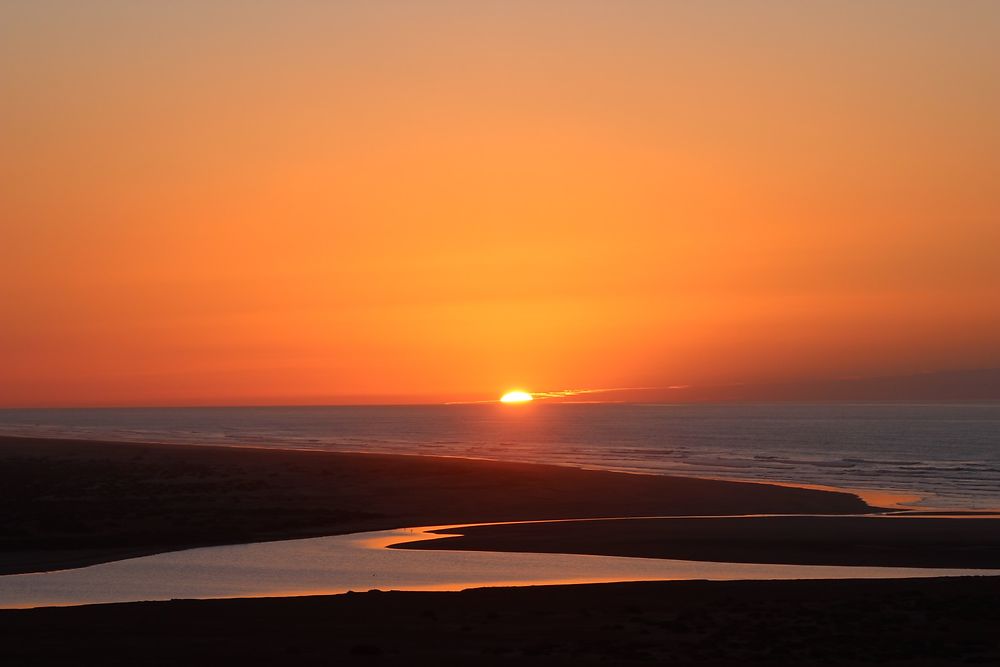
pixel 359 562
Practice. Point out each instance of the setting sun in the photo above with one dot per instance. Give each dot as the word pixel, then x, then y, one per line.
pixel 516 397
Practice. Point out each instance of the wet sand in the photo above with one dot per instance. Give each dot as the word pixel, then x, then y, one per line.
pixel 800 540
pixel 935 622
pixel 69 503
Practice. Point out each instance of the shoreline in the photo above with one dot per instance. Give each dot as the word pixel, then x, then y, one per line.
pixel 205 485
pixel 340 564
pixel 84 502
pixel 109 500
pixel 886 498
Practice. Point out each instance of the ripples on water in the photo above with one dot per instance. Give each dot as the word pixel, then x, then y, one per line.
pixel 947 453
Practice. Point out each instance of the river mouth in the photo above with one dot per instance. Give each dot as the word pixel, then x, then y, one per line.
pixel 364 561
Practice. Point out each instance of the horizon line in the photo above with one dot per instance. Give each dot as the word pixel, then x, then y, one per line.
pixel 721 401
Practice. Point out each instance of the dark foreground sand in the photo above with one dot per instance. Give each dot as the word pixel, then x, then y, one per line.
pixel 803 540
pixel 939 622
pixel 66 503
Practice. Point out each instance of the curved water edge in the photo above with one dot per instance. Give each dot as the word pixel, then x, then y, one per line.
pixel 364 561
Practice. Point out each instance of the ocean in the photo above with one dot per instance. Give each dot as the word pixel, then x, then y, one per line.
pixel 944 455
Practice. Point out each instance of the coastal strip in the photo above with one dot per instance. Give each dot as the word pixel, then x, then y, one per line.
pixel 69 503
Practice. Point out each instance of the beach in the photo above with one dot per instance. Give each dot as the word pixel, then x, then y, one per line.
pixel 84 502
pixel 886 541
pixel 73 503
pixel 940 456
pixel 935 622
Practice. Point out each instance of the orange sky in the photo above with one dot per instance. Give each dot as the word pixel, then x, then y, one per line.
pixel 298 202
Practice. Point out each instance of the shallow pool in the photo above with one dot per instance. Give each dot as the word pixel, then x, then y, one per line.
pixel 361 562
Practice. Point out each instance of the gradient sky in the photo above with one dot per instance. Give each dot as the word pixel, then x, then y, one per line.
pixel 307 202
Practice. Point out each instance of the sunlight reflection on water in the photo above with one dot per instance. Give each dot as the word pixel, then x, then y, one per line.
pixel 361 561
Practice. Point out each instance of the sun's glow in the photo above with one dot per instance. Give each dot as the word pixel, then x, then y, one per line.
pixel 516 397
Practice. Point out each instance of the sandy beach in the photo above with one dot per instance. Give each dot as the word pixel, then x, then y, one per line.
pixel 82 502
pixel 800 540
pixel 919 623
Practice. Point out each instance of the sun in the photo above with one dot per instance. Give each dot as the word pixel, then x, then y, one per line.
pixel 516 397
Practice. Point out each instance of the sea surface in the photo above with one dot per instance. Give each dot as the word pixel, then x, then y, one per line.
pixel 944 455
